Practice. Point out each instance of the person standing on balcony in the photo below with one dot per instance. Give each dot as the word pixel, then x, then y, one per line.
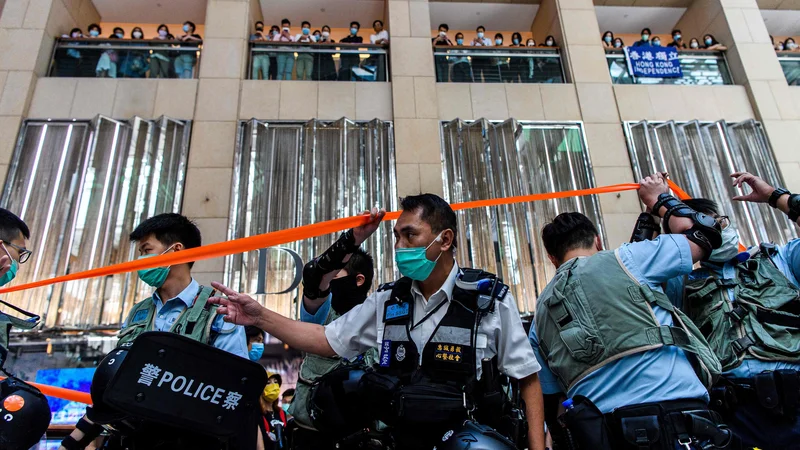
pixel 709 43
pixel 274 32
pixel 549 69
pixel 305 60
pixel 69 60
pixel 381 37
pixel 442 66
pixel 789 45
pixel 517 66
pixel 677 40
pixel 608 39
pixel 646 33
pixel 348 61
pixel 326 67
pixel 135 62
pixel 694 43
pixel 462 70
pixel 185 61
pixel 619 43
pixel 89 60
pixel 159 59
pixel 107 64
pixel 499 69
pixel 285 58
pixel 260 59
pixel 481 65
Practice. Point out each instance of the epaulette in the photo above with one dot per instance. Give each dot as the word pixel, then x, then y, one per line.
pixel 386 286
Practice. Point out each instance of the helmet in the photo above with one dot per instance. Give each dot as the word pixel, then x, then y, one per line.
pixel 473 436
pixel 24 414
pixel 336 406
pixel 100 412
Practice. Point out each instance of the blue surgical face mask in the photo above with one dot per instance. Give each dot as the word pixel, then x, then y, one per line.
pixel 460 41
pixel 94 33
pixel 498 42
pixel 306 31
pixel 285 407
pixel 607 39
pixel 186 28
pixel 729 248
pixel 256 351
pixel 657 43
pixel 645 36
pixel 414 263
pixel 480 34
pixel 516 41
pixel 119 35
pixel 617 44
pixel 156 276
pixel 353 31
pixel 677 37
pixel 708 41
pixel 12 272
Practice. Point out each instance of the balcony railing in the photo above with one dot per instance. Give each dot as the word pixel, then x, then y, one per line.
pixel 317 62
pixel 459 64
pixel 125 58
pixel 698 66
pixel 790 63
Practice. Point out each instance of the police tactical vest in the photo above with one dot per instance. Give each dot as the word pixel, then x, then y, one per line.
pixel 762 323
pixel 594 312
pixel 194 322
pixel 449 355
pixel 313 367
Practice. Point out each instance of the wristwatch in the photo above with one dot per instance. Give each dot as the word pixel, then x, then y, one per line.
pixel 776 194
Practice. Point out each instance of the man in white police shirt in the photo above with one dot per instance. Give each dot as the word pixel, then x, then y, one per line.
pixel 423 325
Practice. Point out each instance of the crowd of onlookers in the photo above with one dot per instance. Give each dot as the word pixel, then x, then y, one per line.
pixel 647 38
pixel 167 63
pixel 277 65
pixel 784 46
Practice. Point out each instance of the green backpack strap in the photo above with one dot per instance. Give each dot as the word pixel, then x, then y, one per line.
pixel 6 322
pixel 196 322
pixel 199 304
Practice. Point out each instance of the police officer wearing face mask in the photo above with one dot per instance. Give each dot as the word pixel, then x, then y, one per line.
pixel 25 412
pixel 747 304
pixel 331 288
pixel 175 292
pixel 441 330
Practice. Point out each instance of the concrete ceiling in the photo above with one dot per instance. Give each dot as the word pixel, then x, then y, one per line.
pixel 493 16
pixel 645 3
pixel 151 11
pixel 779 4
pixel 782 23
pixel 335 13
pixel 623 19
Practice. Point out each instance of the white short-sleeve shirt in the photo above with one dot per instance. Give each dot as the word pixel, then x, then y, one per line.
pixel 500 332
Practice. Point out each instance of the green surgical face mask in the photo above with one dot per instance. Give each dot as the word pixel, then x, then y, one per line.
pixel 413 262
pixel 12 272
pixel 156 276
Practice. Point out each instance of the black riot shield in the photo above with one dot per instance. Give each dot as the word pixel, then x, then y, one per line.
pixel 176 381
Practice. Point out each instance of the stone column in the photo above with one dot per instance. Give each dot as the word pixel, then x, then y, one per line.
pixel 738 24
pixel 28 29
pixel 415 105
pixel 585 63
pixel 222 67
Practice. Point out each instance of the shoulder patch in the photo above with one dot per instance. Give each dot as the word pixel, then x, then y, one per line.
pixel 699 274
pixel 140 316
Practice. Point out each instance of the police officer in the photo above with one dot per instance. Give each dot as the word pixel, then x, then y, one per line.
pixel 175 292
pixel 433 331
pixel 327 295
pixel 748 307
pixel 24 412
pixel 634 368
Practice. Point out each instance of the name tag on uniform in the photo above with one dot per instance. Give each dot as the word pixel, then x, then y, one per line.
pixel 481 341
pixel 395 311
pixel 386 352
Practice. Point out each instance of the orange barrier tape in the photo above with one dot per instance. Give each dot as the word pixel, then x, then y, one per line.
pixel 281 237
pixel 62 393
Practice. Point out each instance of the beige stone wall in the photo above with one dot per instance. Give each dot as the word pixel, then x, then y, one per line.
pixel 682 103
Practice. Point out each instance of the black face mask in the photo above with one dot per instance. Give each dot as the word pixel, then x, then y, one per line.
pixel 345 294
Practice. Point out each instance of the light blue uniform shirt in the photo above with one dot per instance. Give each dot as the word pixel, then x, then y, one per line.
pixel 320 316
pixel 230 338
pixel 788 262
pixel 653 376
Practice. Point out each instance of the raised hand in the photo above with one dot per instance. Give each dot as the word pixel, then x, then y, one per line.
pixel 240 309
pixel 651 187
pixel 761 189
pixel 364 231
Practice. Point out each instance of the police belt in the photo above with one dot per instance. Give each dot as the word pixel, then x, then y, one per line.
pixel 661 425
pixel 777 392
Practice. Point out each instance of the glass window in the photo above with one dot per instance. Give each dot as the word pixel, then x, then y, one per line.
pixel 492 160
pixel 497 65
pixel 700 157
pixel 701 67
pixel 292 174
pixel 82 187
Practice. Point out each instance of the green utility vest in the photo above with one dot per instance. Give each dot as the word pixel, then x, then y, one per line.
pixel 194 322
pixel 313 367
pixel 595 312
pixel 763 322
